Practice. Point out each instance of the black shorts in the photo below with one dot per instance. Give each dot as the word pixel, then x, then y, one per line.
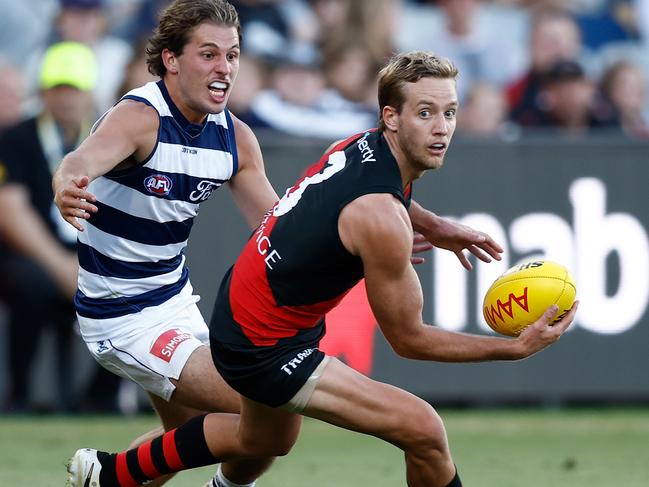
pixel 269 375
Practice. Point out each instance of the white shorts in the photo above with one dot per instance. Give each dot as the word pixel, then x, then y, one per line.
pixel 152 354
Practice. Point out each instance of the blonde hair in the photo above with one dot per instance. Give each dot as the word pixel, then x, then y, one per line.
pixel 409 67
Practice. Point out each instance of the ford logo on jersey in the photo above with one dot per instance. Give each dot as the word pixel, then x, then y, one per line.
pixel 158 184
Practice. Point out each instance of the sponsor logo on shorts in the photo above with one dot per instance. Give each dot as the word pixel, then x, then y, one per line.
pixel 166 344
pixel 158 184
pixel 293 364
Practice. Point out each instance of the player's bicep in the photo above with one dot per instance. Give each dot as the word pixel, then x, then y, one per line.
pixel 377 228
pixel 129 129
pixel 251 190
pixel 396 301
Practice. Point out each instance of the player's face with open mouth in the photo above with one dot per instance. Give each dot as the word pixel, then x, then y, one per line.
pixel 207 69
pixel 427 121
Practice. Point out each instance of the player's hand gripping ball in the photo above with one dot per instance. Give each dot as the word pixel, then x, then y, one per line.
pixel 521 295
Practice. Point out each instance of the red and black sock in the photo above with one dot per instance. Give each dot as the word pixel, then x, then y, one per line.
pixel 179 449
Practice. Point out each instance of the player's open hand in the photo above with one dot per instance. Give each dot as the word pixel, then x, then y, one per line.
pixel 543 332
pixel 456 237
pixel 74 201
pixel 419 244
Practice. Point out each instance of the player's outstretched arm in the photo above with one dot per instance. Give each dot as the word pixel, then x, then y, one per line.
pixel 251 190
pixel 377 228
pixel 453 236
pixel 129 129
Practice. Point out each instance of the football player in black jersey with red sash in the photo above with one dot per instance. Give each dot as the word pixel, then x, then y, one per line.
pixel 350 217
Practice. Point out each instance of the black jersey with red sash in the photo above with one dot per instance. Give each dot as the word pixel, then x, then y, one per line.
pixel 294 269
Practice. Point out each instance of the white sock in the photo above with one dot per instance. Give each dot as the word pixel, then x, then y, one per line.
pixel 221 481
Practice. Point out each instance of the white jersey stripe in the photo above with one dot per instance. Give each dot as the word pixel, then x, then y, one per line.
pixel 126 250
pixel 172 159
pixel 154 96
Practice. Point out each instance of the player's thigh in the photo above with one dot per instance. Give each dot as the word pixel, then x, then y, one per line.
pixel 169 358
pixel 173 414
pixel 200 386
pixel 351 400
pixel 267 431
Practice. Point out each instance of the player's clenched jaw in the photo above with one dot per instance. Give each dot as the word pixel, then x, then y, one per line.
pixel 201 78
pixel 424 127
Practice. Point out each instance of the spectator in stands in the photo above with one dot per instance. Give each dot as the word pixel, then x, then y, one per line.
pixel 569 101
pixel 605 22
pixel 276 28
pixel 470 33
pixel 139 20
pixel 251 81
pixel 299 103
pixel 625 87
pixel 266 30
pixel 370 21
pixel 86 21
pixel 38 261
pixel 374 22
pixel 13 90
pixel 24 28
pixel 351 70
pixel 554 37
pixel 484 114
pixel 641 15
pixel 332 18
pixel 137 72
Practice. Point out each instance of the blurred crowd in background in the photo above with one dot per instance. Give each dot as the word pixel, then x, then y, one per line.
pixel 308 69
pixel 309 66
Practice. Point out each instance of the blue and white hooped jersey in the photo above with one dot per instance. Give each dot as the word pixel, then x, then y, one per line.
pixel 131 252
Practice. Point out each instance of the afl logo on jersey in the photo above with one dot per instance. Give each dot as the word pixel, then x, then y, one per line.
pixel 158 184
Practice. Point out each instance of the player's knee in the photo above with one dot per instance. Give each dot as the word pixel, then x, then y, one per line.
pixel 282 449
pixel 425 433
pixel 273 447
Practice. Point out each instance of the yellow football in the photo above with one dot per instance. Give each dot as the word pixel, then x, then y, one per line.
pixel 521 295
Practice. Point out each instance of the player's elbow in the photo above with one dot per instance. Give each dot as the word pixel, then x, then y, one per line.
pixel 404 346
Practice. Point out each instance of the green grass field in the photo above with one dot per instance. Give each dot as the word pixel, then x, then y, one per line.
pixel 499 448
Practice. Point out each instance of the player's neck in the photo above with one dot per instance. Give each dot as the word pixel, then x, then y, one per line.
pixel 174 93
pixel 408 172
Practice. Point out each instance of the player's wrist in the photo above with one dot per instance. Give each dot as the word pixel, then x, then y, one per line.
pixel 519 349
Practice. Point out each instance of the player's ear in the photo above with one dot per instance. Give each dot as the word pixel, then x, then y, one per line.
pixel 390 116
pixel 170 61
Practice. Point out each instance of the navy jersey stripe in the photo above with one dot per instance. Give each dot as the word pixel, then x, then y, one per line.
pixel 137 98
pixel 180 186
pixel 233 142
pixel 213 136
pixel 92 261
pixel 111 308
pixel 142 230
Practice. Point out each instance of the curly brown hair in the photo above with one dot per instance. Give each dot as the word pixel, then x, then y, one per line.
pixel 409 67
pixel 177 22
